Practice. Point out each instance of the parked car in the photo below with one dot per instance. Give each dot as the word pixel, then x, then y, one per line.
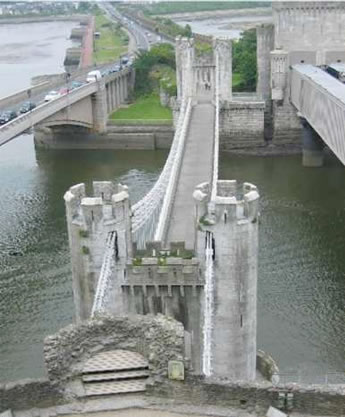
pixel 93 76
pixel 52 95
pixel 7 116
pixel 27 106
pixel 76 84
pixel 116 68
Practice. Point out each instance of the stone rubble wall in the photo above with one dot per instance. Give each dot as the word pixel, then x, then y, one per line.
pixel 28 393
pixel 254 397
pixel 157 338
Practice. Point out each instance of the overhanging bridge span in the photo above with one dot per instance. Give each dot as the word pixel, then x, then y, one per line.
pixel 320 99
pixel 87 106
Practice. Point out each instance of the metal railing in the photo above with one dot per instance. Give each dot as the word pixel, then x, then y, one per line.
pixel 164 216
pixel 215 167
pixel 106 280
pixel 146 212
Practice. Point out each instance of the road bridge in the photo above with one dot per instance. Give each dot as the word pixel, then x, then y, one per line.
pixel 87 106
pixel 320 100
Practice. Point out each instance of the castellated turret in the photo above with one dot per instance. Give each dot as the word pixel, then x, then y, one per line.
pixel 90 220
pixel 229 227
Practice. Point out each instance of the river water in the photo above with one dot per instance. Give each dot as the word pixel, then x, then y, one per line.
pixel 301 293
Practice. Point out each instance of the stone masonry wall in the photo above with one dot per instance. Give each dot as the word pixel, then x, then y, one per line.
pixel 28 393
pixel 158 338
pixel 311 399
pixel 241 124
pixel 287 128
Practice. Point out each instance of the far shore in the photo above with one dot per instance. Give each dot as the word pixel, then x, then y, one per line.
pixel 35 19
pixel 259 11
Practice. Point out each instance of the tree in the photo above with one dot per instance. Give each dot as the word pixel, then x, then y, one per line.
pixel 159 54
pixel 188 31
pixel 244 59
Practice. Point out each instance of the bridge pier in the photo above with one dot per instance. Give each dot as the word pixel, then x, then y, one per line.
pixel 312 145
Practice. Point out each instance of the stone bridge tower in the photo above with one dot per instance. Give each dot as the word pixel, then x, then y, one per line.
pixel 228 227
pixel 195 70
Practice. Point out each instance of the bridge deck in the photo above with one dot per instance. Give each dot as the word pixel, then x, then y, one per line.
pixel 321 100
pixel 196 168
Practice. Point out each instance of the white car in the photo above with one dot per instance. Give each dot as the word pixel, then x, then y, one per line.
pixel 52 95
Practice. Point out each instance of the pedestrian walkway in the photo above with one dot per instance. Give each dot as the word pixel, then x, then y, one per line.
pixel 196 168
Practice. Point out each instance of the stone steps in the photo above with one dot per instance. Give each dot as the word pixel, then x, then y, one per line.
pixel 115 376
pixel 114 372
pixel 114 387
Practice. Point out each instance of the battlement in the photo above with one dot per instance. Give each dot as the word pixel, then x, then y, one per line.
pixel 109 203
pixel 232 202
pixel 157 249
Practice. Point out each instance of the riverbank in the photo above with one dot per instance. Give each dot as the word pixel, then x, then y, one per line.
pixel 38 19
pixel 216 14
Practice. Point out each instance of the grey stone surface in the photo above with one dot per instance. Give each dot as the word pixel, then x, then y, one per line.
pixel 232 223
pixel 252 397
pixel 157 338
pixel 196 168
pixel 274 412
pixel 241 124
pixel 6 413
pixel 266 365
pixel 27 393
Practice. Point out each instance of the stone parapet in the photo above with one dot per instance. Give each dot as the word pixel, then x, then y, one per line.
pixel 256 397
pixel 29 393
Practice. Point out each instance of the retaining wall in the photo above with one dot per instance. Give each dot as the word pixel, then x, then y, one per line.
pixel 311 399
pixel 28 393
pixel 142 137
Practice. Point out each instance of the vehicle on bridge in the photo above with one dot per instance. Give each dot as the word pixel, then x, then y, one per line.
pixel 52 95
pixel 27 106
pixel 63 91
pixel 76 84
pixel 337 70
pixel 93 76
pixel 7 116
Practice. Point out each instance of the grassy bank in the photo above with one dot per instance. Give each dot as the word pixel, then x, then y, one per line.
pixel 147 108
pixel 113 41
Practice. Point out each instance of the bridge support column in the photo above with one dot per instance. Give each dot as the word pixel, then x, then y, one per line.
pixel 99 108
pixel 312 146
pixel 118 93
pixel 126 86
pixel 229 227
pixel 113 100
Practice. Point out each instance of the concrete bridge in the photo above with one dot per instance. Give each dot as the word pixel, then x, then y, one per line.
pixel 304 104
pixel 87 106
